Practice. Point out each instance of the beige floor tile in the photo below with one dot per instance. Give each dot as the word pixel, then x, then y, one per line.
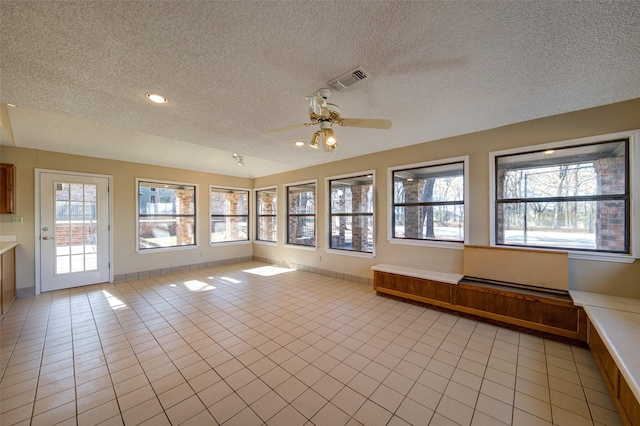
pixel 267 406
pixel 371 414
pixel 171 353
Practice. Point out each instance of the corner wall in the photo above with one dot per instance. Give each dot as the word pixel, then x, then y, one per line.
pixel 126 262
pixel 618 279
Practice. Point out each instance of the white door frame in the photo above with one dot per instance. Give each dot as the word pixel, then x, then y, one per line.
pixel 37 173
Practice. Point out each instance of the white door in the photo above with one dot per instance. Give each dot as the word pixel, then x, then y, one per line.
pixel 74 230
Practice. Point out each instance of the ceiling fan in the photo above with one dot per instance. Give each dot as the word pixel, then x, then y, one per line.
pixel 326 115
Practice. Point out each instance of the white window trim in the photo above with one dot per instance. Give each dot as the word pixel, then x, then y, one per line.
pixel 285 201
pixel 255 215
pixel 249 233
pixel 430 243
pixel 634 175
pixel 166 249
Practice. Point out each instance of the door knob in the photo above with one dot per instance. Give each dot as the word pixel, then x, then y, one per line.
pixel 45 238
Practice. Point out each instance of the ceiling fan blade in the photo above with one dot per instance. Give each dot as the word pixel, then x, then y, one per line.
pixel 371 123
pixel 284 129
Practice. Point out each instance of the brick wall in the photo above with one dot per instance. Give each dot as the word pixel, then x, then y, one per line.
pixel 610 215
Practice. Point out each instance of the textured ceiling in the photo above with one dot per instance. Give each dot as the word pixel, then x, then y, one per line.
pixel 78 72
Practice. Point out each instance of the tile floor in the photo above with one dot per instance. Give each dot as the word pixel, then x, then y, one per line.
pixel 252 344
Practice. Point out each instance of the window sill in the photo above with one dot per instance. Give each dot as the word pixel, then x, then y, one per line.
pixel 229 243
pixel 602 257
pixel 165 249
pixel 352 253
pixel 265 243
pixel 428 243
pixel 301 247
pixel 579 255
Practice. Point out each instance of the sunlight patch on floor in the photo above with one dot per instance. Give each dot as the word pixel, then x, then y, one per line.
pixel 268 271
pixel 196 285
pixel 114 302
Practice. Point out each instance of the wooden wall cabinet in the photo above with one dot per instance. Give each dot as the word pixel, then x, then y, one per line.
pixel 7 188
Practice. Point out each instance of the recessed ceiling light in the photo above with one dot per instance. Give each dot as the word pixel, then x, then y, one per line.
pixel 154 97
pixel 11 105
pixel 299 143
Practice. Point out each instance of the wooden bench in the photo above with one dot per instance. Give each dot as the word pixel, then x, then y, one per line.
pixel 550 313
pixel 526 289
pixel 614 338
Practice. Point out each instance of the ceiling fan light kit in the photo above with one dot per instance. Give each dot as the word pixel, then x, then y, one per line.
pixel 326 115
pixel 315 140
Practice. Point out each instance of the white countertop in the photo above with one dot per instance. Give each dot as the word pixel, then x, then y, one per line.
pixel 7 246
pixel 617 320
pixel 445 277
pixel 583 298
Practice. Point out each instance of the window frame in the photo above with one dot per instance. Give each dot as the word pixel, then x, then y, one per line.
pixel 329 215
pixel 196 228
pixel 248 215
pixel 456 245
pixel 257 215
pixel 634 194
pixel 285 201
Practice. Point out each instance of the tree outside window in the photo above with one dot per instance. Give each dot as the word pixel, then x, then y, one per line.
pixel 229 215
pixel 428 203
pixel 351 213
pixel 266 214
pixel 568 198
pixel 167 222
pixel 301 214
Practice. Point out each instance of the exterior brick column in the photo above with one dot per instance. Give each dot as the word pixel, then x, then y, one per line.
pixel 293 221
pixel 413 216
pixel 267 209
pixel 500 210
pixel 610 215
pixel 185 229
pixel 233 225
pixel 359 229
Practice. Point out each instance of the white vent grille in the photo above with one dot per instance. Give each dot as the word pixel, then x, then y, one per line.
pixel 348 79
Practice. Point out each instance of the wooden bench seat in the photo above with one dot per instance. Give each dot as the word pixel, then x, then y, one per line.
pixel 536 310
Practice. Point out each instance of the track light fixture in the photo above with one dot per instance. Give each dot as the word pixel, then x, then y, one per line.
pixel 315 140
pixel 239 160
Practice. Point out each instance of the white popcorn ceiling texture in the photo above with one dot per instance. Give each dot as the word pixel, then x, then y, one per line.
pixel 78 72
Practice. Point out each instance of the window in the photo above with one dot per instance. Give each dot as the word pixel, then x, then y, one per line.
pixel 301 214
pixel 573 197
pixel 229 215
pixel 170 223
pixel 351 213
pixel 429 202
pixel 266 214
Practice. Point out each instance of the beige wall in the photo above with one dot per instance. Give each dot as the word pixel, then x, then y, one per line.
pixel 602 277
pixel 125 260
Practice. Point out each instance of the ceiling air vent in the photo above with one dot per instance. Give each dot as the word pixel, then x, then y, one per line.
pixel 348 79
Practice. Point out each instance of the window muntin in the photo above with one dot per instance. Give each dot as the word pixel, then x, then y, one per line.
pixel 428 203
pixel 266 215
pixel 351 214
pixel 574 198
pixel 229 215
pixel 166 215
pixel 301 214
